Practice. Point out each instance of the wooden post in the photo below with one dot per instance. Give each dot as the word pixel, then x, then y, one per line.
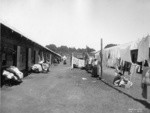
pixel 50 58
pixel 72 61
pixel 0 51
pixel 36 56
pixel 101 58
pixel 29 58
pixel 18 56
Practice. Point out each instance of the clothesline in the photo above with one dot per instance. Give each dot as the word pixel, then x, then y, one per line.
pixel 123 51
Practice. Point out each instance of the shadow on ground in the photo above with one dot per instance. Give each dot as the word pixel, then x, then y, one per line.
pixel 145 103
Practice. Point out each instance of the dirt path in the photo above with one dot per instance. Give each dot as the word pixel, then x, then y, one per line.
pixel 63 90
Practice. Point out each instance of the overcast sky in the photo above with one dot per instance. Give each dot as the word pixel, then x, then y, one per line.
pixel 77 23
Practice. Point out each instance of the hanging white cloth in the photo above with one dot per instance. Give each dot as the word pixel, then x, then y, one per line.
pixel 133 71
pixel 146 75
pixel 143 49
pixel 111 55
pixel 74 61
pixel 97 56
pixel 125 53
pixel 81 63
pixel 78 62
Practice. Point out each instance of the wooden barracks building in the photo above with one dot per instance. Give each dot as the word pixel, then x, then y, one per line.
pixel 19 51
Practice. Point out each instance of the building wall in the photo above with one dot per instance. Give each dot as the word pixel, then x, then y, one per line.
pixel 22 58
pixel 9 53
pixel 29 59
pixel 20 51
pixel 0 52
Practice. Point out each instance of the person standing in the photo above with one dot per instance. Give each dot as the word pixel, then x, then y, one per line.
pixel 64 59
pixel 94 68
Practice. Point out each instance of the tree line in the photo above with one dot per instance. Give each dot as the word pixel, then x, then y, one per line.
pixel 65 50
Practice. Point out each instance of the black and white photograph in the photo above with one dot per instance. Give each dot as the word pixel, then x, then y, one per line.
pixel 74 56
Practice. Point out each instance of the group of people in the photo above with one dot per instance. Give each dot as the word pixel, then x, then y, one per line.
pixel 143 68
pixel 92 65
pixel 120 80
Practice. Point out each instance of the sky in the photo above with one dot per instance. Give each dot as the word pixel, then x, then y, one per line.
pixel 77 23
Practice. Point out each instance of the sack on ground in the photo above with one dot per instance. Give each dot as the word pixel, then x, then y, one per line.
pixel 9 75
pixel 37 68
pixel 15 71
pixel 45 66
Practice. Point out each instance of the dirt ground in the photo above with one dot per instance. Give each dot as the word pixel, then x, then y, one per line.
pixel 63 90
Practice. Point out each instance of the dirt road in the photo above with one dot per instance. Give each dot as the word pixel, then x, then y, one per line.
pixel 63 90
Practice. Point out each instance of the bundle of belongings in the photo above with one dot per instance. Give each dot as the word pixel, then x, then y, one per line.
pixel 40 67
pixel 120 80
pixel 12 76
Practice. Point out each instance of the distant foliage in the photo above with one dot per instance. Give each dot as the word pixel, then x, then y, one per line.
pixel 64 50
pixel 52 47
pixel 110 45
pixel 88 49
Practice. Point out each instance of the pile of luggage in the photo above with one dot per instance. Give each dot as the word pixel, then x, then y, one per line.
pixel 11 76
pixel 40 68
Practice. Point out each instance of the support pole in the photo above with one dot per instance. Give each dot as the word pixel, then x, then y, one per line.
pixel 101 54
pixel 18 56
pixel 72 61
pixel 0 52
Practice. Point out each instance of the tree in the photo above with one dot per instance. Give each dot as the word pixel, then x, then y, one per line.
pixel 110 45
pixel 64 50
pixel 88 49
pixel 52 47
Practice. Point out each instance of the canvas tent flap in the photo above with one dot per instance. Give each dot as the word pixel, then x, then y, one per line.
pixel 134 45
pixel 143 49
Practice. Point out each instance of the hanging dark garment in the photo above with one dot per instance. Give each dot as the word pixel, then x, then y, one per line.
pixel 145 81
pixel 144 91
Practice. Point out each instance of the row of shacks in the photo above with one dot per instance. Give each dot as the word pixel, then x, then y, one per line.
pixel 20 51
